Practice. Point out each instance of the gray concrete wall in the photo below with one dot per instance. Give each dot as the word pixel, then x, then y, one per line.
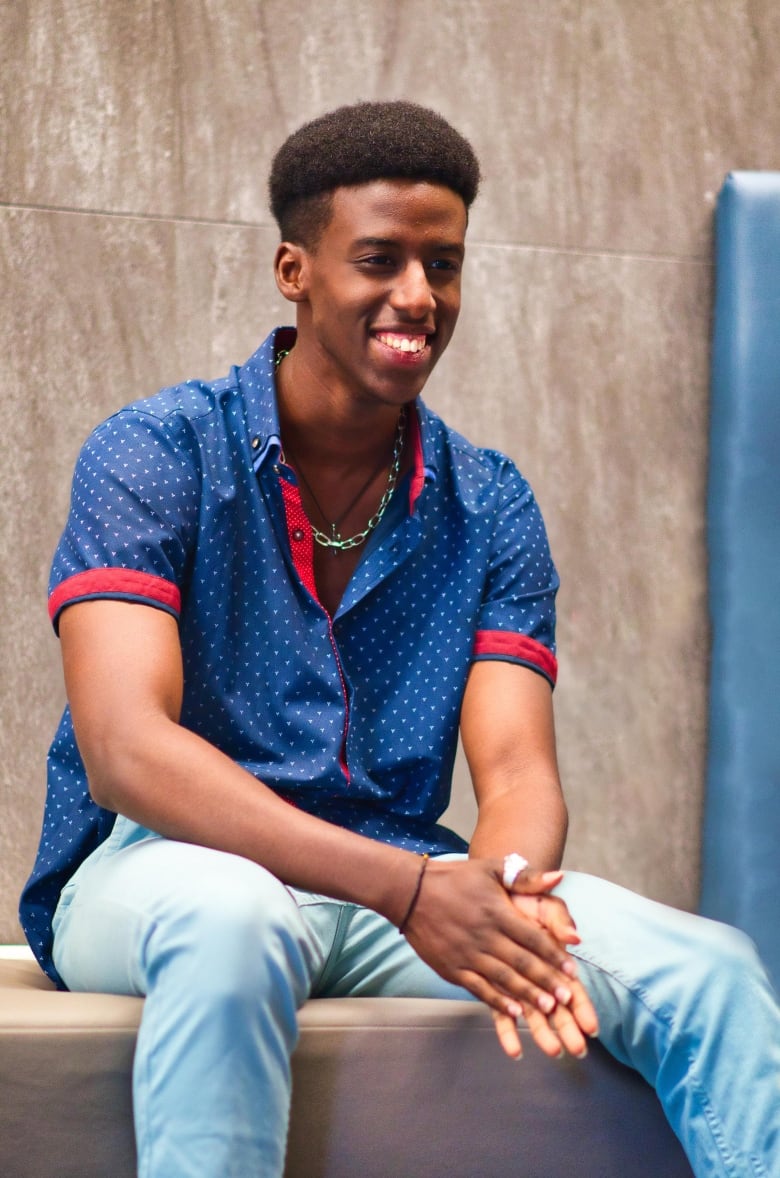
pixel 135 249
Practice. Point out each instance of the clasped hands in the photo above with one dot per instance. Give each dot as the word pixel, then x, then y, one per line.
pixel 508 947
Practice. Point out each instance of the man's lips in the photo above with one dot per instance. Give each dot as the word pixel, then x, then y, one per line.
pixel 406 342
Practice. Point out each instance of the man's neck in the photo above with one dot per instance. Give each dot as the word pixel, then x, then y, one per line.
pixel 328 427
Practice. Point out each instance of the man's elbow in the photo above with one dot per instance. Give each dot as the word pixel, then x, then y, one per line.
pixel 101 793
pixel 116 764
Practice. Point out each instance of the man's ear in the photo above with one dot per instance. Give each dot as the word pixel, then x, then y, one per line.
pixel 291 271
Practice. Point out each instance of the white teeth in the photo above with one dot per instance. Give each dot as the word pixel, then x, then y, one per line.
pixel 404 343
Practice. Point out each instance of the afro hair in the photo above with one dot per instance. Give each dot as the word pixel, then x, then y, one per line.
pixel 357 144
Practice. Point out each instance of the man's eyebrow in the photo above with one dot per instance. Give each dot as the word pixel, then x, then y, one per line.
pixel 450 247
pixel 374 242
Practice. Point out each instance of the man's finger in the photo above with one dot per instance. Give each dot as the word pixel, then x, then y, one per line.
pixel 508 1034
pixel 524 976
pixel 583 1010
pixel 519 924
pixel 551 914
pixel 544 1036
pixel 529 881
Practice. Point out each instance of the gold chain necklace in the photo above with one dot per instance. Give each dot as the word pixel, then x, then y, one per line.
pixel 335 541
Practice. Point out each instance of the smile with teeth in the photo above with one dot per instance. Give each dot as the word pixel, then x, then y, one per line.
pixel 402 343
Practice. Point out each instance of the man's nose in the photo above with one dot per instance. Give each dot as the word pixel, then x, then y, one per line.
pixel 412 294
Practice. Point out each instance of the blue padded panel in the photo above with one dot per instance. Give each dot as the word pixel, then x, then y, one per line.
pixel 741 866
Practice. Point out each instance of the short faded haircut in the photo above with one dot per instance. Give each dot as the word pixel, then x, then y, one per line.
pixel 357 144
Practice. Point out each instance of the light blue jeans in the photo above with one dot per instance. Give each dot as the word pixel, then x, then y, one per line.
pixel 225 955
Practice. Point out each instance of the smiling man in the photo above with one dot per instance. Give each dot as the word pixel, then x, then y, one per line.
pixel 280 596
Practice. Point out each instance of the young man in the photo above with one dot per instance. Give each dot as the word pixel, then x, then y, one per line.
pixel 279 596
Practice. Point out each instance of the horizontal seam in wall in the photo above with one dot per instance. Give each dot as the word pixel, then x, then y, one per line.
pixel 580 251
pixel 124 215
pixel 474 243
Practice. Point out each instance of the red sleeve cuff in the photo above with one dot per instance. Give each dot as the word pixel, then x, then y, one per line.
pixel 124 584
pixel 505 644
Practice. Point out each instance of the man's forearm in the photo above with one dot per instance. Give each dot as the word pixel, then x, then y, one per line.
pixel 534 825
pixel 124 677
pixel 509 740
pixel 180 786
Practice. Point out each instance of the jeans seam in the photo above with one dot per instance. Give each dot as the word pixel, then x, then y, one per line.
pixel 344 915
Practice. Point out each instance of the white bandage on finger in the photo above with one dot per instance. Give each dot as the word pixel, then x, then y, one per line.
pixel 513 865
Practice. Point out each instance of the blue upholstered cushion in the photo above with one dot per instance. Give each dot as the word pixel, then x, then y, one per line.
pixel 741 867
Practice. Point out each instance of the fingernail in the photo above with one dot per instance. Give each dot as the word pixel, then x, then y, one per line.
pixel 513 1010
pixel 546 1003
pixel 563 994
pixel 569 968
pixel 582 1054
pixel 550 877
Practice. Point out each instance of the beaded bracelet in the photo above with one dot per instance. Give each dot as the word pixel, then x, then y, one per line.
pixel 415 897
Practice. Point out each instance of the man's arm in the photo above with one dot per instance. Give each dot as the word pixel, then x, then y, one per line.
pixel 508 735
pixel 123 673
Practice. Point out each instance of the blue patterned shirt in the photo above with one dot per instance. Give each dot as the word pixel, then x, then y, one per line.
pixel 182 502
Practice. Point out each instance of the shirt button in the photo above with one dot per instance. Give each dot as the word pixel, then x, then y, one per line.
pixel 256 443
pixel 298 534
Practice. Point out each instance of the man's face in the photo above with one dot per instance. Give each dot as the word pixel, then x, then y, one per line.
pixel 382 287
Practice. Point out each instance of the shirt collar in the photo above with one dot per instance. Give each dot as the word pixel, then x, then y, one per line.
pixel 257 381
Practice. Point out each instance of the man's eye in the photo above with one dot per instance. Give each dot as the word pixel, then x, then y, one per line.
pixel 377 260
pixel 444 264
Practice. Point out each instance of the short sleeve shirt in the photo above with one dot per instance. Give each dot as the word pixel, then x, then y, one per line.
pixel 182 502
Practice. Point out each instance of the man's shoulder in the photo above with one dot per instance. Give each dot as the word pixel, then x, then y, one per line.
pixel 190 400
pixel 174 420
pixel 194 398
